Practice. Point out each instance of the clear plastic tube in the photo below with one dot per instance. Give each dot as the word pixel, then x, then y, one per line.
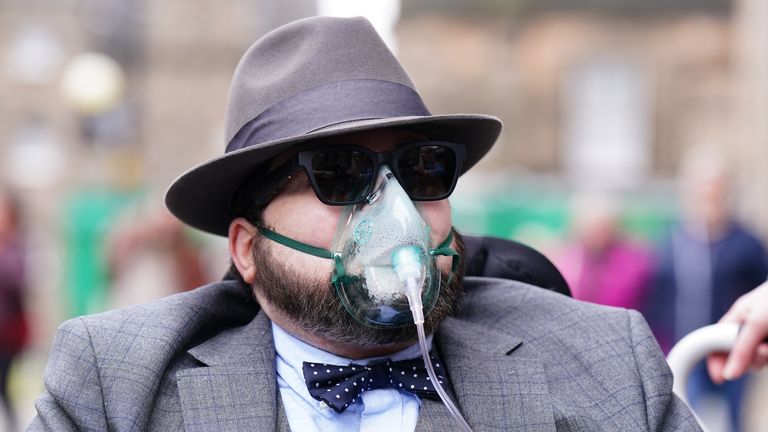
pixel 407 267
pixel 440 391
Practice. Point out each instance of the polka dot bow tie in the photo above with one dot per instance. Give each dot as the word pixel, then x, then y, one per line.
pixel 341 386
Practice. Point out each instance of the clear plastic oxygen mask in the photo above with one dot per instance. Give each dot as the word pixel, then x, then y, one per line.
pixel 371 239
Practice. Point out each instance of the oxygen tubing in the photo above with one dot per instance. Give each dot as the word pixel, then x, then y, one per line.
pixel 408 267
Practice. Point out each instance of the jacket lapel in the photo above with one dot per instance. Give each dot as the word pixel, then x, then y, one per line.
pixel 235 386
pixel 499 384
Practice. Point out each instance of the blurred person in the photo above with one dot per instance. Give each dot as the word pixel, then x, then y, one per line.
pixel 13 317
pixel 334 186
pixel 151 255
pixel 751 347
pixel 601 264
pixel 706 262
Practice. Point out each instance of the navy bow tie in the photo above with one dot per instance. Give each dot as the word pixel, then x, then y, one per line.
pixel 340 386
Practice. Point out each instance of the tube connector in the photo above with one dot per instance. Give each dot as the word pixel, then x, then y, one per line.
pixel 407 264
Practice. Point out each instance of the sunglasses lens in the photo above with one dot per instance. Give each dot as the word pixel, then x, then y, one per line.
pixel 342 176
pixel 427 172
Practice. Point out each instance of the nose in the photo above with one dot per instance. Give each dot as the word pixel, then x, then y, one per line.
pixel 384 176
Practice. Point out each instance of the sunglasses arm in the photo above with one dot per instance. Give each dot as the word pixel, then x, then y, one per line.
pixel 259 189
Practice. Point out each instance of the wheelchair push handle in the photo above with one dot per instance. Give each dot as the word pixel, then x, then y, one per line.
pixel 694 347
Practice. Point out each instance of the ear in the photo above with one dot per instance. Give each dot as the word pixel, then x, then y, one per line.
pixel 241 236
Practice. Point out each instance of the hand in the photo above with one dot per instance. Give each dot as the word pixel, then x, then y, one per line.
pixel 750 349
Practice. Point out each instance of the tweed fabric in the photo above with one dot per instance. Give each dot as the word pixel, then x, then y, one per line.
pixel 204 361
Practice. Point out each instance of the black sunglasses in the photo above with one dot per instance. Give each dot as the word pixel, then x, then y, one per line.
pixel 346 174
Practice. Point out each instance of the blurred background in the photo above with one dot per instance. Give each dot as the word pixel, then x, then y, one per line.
pixel 633 153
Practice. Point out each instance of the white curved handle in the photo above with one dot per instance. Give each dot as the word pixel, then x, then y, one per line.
pixel 694 347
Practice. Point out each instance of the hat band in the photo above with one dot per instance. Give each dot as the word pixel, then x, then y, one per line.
pixel 326 105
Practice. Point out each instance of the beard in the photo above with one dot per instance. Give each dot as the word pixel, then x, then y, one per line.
pixel 315 308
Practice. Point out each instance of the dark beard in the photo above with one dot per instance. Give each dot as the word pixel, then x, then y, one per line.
pixel 316 309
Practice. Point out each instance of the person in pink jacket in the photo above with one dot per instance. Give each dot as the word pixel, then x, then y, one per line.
pixel 601 265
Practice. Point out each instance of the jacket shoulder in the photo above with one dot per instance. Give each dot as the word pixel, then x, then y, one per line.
pixel 491 300
pixel 104 367
pixel 221 304
pixel 589 353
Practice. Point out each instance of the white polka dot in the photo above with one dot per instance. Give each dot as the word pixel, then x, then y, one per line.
pixel 327 371
pixel 339 397
pixel 401 384
pixel 428 379
pixel 317 384
pixel 353 368
pixel 414 368
pixel 346 390
pixel 425 388
pixel 402 373
pixel 354 383
pixel 390 369
pixel 341 370
pixel 315 372
pixel 437 364
pixel 311 365
pixel 412 386
pixel 415 375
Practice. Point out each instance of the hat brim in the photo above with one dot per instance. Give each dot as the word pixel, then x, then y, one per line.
pixel 201 197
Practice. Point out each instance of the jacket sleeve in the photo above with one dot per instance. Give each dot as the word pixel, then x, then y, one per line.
pixel 664 410
pixel 72 399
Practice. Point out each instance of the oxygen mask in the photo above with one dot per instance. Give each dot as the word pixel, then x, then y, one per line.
pixel 374 240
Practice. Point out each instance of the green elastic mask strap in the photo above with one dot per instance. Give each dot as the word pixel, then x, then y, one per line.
pixel 339 271
pixel 443 249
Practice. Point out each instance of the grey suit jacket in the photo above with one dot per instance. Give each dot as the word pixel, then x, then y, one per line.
pixel 519 358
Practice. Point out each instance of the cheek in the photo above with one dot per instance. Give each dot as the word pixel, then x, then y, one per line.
pixel 437 214
pixel 301 216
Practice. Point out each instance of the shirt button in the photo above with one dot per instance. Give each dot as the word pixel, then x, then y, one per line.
pixel 324 406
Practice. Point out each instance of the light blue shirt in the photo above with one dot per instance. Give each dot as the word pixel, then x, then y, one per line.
pixel 384 410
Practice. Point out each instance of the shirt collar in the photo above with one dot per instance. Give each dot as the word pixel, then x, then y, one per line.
pixel 292 353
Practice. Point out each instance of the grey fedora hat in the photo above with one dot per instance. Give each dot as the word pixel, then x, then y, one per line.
pixel 312 79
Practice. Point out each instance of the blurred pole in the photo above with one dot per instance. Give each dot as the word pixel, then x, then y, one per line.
pixel 751 24
pixel 383 14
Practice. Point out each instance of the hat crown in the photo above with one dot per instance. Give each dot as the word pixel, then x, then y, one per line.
pixel 303 55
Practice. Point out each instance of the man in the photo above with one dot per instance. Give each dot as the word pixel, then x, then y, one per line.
pixel 324 128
